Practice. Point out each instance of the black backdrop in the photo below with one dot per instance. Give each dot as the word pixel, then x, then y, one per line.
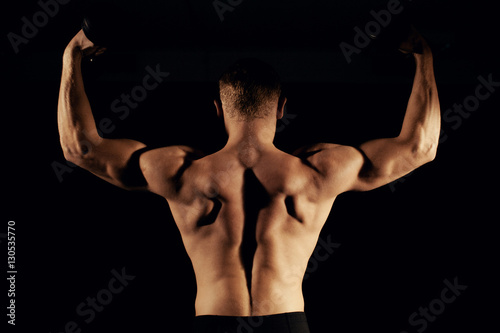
pixel 394 247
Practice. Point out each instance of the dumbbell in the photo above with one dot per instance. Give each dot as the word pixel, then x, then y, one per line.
pixel 109 26
pixel 389 41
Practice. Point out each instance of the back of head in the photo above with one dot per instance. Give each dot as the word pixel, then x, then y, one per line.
pixel 249 89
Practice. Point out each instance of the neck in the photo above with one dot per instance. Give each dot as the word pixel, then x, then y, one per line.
pixel 257 133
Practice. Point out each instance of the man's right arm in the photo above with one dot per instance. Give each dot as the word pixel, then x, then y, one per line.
pixel 379 162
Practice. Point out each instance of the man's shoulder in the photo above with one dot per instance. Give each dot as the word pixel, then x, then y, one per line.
pixel 162 156
pixel 163 165
pixel 333 163
pixel 324 150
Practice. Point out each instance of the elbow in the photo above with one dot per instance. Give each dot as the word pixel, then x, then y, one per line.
pixel 424 152
pixel 431 155
pixel 76 154
pixel 72 157
pixel 428 157
pixel 421 147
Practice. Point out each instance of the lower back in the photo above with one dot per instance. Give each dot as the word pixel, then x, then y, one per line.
pixel 227 298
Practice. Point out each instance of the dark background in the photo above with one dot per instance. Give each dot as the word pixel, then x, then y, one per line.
pixel 398 243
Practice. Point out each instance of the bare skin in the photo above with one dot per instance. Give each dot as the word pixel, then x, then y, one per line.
pixel 250 215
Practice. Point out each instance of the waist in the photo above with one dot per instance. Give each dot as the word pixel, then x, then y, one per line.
pixel 240 302
pixel 289 322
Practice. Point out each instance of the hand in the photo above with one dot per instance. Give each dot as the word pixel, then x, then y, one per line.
pixel 80 43
pixel 414 43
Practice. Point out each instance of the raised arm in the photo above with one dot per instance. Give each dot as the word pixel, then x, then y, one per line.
pixel 416 145
pixel 125 163
pixel 106 158
pixel 379 162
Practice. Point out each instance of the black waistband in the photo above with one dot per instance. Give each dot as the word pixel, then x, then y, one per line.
pixel 292 322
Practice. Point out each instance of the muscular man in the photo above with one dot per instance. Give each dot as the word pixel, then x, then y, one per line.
pixel 250 215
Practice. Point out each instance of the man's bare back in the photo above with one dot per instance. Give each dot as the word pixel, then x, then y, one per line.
pixel 249 227
pixel 250 215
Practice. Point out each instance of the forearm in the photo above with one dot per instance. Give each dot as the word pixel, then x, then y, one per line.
pixel 422 122
pixel 77 130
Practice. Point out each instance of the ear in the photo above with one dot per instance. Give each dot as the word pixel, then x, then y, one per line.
pixel 281 107
pixel 218 106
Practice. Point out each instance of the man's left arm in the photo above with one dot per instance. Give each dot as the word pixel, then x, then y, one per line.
pixel 106 158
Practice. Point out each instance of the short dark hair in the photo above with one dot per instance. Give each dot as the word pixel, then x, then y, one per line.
pixel 247 87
